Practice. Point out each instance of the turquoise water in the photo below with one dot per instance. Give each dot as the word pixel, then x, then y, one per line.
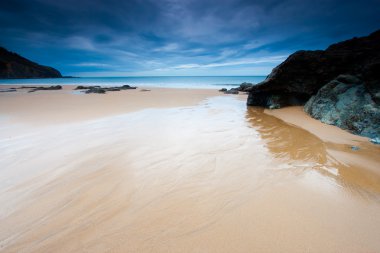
pixel 148 81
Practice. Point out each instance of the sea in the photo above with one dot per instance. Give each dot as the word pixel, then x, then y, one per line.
pixel 202 82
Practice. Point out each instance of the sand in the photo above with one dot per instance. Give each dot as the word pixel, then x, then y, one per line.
pixel 68 105
pixel 198 172
pixel 338 142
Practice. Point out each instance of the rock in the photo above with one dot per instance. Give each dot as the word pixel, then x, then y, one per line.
pixel 127 87
pixel 303 73
pixel 103 90
pixel 28 87
pixel 112 89
pixel 144 90
pixel 345 102
pixel 56 87
pixel 13 65
pixel 234 91
pixel 355 148
pixel 339 86
pixel 246 87
pixel 80 87
pixel 96 90
pixel 8 90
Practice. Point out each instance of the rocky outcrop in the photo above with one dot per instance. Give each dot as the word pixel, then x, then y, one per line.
pixel 300 76
pixel 346 103
pixel 8 90
pixel 103 90
pixel 13 65
pixel 81 87
pixel 34 89
pixel 339 85
pixel 244 87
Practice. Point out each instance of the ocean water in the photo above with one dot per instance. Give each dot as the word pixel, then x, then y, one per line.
pixel 146 81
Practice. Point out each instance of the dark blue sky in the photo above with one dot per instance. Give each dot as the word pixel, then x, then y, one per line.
pixel 174 37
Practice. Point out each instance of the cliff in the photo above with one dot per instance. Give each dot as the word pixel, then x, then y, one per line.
pixel 13 65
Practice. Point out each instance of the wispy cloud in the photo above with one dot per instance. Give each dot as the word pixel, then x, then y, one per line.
pixel 177 36
pixel 79 42
pixel 272 59
pixel 167 48
pixel 91 64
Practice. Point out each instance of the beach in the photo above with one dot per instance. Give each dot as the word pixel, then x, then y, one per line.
pixel 180 170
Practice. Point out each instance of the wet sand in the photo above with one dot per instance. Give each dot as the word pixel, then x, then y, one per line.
pixel 68 105
pixel 203 174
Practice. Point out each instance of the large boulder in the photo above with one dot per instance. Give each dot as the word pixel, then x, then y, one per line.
pixel 346 103
pixel 303 73
pixel 13 65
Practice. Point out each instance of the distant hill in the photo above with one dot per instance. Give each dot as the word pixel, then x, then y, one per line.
pixel 13 65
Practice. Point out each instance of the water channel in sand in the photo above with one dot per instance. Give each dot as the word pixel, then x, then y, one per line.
pixel 216 177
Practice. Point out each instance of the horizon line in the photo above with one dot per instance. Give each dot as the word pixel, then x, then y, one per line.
pixel 166 76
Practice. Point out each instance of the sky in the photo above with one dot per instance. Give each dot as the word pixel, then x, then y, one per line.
pixel 177 37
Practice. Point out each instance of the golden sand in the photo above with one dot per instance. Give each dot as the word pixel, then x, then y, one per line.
pixel 198 172
pixel 68 105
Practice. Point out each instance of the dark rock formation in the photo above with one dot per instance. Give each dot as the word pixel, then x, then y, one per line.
pixel 8 90
pixel 13 65
pixel 28 87
pixel 103 90
pixel 80 87
pixel 233 91
pixel 56 87
pixel 345 102
pixel 97 90
pixel 300 76
pixel 127 87
pixel 340 85
pixel 245 87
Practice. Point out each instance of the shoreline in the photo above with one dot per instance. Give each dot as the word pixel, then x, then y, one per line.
pixel 193 82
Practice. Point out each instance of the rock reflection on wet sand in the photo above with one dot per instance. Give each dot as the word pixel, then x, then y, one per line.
pixel 304 152
pixel 216 177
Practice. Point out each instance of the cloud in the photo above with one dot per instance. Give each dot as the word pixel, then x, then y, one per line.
pixel 91 64
pixel 79 42
pixel 167 48
pixel 272 59
pixel 137 36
